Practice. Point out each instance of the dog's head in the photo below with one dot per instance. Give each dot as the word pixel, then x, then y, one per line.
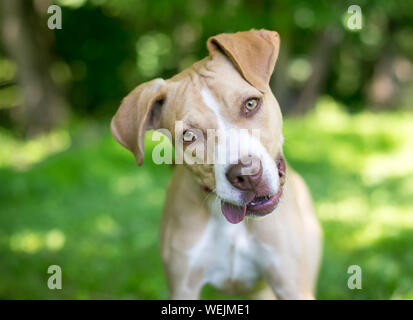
pixel 229 122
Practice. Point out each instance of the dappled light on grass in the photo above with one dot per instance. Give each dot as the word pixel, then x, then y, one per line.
pixel 29 241
pixel 26 241
pixel 360 171
pixel 126 185
pixel 55 240
pixel 20 154
pixel 107 226
pixel 379 167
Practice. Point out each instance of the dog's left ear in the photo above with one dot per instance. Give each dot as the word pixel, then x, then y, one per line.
pixel 253 53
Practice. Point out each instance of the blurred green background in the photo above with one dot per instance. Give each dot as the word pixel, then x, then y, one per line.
pixel 71 196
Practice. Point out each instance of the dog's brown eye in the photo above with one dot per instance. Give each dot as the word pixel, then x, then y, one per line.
pixel 189 136
pixel 251 106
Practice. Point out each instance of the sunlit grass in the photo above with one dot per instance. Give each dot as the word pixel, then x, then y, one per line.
pixel 20 154
pixel 29 241
pixel 82 203
pixel 360 170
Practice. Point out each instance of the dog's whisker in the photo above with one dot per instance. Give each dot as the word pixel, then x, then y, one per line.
pixel 206 198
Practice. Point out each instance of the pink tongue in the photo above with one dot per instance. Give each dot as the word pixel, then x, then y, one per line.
pixel 234 214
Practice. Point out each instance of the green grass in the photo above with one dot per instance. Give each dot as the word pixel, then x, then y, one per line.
pixel 77 199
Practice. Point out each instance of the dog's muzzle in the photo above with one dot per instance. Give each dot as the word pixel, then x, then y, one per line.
pixel 257 199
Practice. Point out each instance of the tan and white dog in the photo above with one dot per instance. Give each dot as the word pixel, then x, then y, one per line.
pixel 221 225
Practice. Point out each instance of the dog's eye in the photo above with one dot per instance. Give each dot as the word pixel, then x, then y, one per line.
pixel 189 136
pixel 250 106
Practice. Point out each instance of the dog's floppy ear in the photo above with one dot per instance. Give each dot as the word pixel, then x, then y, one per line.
pixel 253 53
pixel 140 111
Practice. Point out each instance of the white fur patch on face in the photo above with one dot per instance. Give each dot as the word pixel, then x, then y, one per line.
pixel 232 144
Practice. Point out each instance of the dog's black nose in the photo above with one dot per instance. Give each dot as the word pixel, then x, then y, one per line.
pixel 245 177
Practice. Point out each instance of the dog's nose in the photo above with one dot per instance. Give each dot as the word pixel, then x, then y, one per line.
pixel 245 177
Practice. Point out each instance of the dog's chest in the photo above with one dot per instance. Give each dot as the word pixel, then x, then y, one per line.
pixel 228 254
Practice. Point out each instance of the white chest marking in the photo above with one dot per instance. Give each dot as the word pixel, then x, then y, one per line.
pixel 227 252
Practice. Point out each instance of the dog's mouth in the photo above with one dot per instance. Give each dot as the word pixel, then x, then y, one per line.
pixel 259 205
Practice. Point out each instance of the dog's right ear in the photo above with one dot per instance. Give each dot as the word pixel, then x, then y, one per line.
pixel 140 111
